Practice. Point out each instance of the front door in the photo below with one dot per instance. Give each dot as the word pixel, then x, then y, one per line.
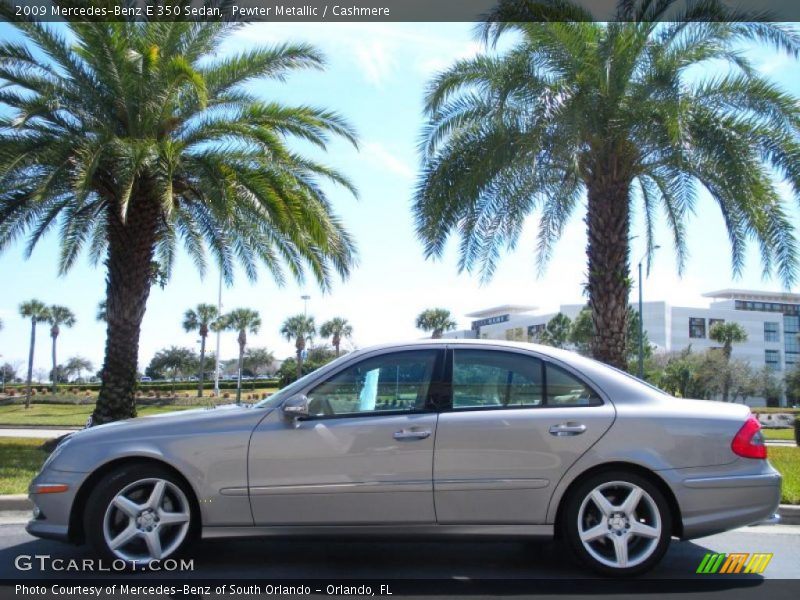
pixel 363 456
pixel 515 426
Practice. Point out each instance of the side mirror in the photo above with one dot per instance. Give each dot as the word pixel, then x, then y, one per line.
pixel 296 406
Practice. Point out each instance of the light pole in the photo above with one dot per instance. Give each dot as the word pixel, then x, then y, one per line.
pixel 216 357
pixel 305 298
pixel 641 317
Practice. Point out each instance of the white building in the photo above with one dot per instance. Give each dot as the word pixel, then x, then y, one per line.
pixel 771 320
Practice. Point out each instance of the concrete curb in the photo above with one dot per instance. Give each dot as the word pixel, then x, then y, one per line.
pixel 789 513
pixel 15 502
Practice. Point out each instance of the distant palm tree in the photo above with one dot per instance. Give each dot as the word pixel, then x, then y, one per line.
pixel 58 316
pixel 77 365
pixel 135 137
pixel 436 320
pixel 37 312
pixel 241 320
pixel 578 114
pixel 200 320
pixel 299 328
pixel 727 334
pixel 336 329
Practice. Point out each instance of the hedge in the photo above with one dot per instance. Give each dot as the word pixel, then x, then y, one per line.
pixel 180 386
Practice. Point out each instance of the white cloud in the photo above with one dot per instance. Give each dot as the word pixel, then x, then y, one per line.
pixel 374 60
pixel 439 61
pixel 377 154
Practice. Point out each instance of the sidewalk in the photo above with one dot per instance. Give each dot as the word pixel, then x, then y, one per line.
pixel 34 432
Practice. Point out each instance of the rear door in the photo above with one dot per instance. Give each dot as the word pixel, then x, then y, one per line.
pixel 513 427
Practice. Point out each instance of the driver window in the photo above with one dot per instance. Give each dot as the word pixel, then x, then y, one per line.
pixel 390 382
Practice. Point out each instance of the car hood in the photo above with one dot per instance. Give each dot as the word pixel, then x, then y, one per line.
pixel 179 422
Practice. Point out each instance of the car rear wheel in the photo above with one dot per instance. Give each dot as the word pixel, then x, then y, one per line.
pixel 138 514
pixel 618 523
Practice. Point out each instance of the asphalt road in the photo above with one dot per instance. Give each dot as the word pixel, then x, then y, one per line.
pixel 271 559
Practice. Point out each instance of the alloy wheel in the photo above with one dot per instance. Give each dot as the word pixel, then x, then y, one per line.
pixel 619 524
pixel 146 520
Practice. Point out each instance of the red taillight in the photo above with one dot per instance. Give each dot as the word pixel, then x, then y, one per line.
pixel 749 442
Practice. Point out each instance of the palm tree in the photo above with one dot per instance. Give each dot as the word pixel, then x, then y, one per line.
pixel 200 319
pixel 134 137
pixel 299 328
pixel 336 329
pixel 727 334
pixel 37 312
pixel 241 320
pixel 58 316
pixel 610 111
pixel 77 365
pixel 437 320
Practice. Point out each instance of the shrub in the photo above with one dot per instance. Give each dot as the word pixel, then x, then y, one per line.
pixel 226 395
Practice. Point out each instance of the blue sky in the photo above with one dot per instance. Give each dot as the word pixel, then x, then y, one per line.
pixel 375 77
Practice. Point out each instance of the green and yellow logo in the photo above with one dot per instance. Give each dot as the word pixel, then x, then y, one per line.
pixel 735 562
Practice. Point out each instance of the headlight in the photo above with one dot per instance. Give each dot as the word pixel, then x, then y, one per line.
pixel 58 450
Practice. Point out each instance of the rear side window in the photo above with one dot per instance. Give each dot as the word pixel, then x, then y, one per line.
pixel 492 379
pixel 495 379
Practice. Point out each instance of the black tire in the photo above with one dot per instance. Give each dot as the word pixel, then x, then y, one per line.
pixel 133 474
pixel 649 511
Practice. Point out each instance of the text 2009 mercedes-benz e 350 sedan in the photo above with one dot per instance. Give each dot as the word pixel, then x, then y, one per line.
pixel 442 438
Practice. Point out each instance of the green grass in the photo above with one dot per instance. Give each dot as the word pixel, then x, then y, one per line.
pixel 778 434
pixel 787 461
pixel 20 459
pixel 65 415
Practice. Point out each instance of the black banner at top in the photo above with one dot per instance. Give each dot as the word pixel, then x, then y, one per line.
pixel 401 10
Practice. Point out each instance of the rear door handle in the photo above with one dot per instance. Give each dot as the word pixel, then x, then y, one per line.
pixel 564 429
pixel 408 434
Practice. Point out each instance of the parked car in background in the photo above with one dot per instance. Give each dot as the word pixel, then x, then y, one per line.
pixel 524 441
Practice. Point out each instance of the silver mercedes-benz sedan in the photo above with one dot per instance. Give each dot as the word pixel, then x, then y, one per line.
pixel 436 438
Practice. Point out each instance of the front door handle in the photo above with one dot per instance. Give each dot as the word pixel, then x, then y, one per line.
pixel 564 429
pixel 408 434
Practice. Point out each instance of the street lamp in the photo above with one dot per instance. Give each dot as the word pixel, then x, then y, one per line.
pixel 216 358
pixel 641 316
pixel 305 298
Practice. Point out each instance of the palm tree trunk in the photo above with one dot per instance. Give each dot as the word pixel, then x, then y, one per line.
pixel 55 366
pixel 30 364
pixel 608 223
pixel 239 378
pixel 202 366
pixel 130 274
pixel 336 342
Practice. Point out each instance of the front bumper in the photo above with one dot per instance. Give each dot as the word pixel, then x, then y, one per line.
pixel 51 518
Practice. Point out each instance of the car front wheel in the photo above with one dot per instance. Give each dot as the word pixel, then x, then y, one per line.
pixel 618 523
pixel 138 514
